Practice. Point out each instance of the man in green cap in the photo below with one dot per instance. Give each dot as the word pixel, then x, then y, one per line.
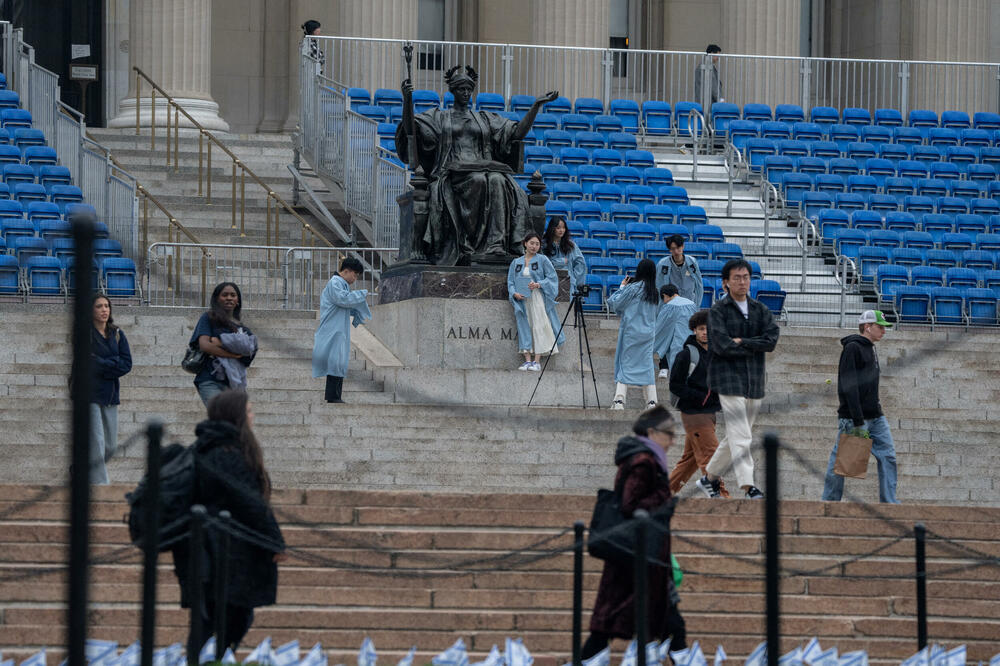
pixel 860 411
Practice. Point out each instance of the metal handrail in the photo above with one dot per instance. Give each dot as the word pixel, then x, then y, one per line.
pixel 848 275
pixel 705 131
pixel 206 173
pixel 769 201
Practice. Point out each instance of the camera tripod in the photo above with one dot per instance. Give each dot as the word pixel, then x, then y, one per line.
pixel 580 324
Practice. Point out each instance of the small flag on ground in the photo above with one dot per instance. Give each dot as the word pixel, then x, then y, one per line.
pixel 494 658
pixel 96 648
pixel 366 656
pixel 262 654
pixel 856 658
pixel 456 655
pixel 953 657
pixel 602 658
pixel 408 659
pixel 130 656
pixel 37 659
pixel 995 661
pixel 759 655
pixel 811 650
pixel 515 654
pixel 695 656
pixel 316 657
pixel 228 657
pixel 663 652
pixel 793 658
pixel 287 654
pixel 207 653
pixel 629 658
pixel 652 653
pixel 921 658
pixel 720 656
pixel 827 657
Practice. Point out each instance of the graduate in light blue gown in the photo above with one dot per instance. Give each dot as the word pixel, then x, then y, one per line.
pixel 532 287
pixel 563 252
pixel 671 326
pixel 339 309
pixel 637 303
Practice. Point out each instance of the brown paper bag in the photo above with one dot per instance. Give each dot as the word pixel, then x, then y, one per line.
pixel 852 456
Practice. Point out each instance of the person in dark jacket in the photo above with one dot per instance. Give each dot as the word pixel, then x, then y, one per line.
pixel 860 411
pixel 112 360
pixel 741 330
pixel 222 317
pixel 642 475
pixel 696 402
pixel 230 476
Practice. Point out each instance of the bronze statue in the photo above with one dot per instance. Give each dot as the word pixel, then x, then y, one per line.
pixel 477 213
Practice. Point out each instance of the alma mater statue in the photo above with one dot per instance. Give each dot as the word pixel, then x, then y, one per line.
pixel 477 213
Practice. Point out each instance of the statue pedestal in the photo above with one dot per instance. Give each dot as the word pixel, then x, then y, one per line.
pixel 405 281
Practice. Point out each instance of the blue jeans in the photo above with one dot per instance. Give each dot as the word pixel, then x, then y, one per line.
pixel 103 440
pixel 209 389
pixel 885 455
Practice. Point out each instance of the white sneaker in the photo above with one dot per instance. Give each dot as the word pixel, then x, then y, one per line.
pixel 664 374
pixel 535 367
pixel 525 366
pixel 650 404
pixel 618 404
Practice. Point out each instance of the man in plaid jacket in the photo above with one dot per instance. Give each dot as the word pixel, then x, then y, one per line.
pixel 740 331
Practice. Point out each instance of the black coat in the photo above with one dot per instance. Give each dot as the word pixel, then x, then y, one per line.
pixel 226 482
pixel 694 396
pixel 644 486
pixel 857 380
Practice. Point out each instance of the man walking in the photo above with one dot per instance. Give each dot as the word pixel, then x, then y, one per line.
pixel 339 308
pixel 696 402
pixel 860 411
pixel 671 326
pixel 711 61
pixel 740 331
pixel 681 271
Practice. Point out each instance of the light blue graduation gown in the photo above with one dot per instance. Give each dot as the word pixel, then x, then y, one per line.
pixel 634 351
pixel 672 327
pixel 573 263
pixel 544 274
pixel 339 308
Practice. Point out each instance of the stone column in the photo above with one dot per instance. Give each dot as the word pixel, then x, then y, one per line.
pixel 761 27
pixel 957 30
pixel 375 65
pixel 170 40
pixel 567 23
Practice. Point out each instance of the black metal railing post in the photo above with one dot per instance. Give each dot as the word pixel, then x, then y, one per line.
pixel 577 592
pixel 151 544
pixel 641 589
pixel 920 532
pixel 196 591
pixel 771 445
pixel 222 588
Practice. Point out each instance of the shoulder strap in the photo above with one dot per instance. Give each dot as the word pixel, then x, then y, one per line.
pixel 620 483
pixel 695 359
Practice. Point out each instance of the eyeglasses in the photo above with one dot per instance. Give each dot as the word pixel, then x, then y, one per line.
pixel 664 431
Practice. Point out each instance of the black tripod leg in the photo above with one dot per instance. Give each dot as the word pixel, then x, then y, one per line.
pixel 578 323
pixel 590 359
pixel 555 342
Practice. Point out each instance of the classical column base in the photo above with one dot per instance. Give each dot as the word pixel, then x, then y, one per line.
pixel 205 111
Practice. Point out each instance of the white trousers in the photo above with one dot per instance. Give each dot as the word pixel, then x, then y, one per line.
pixel 734 447
pixel 648 391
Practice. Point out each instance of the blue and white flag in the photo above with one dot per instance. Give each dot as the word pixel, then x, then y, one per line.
pixel 175 655
pixel 8 662
pixel 287 654
pixel 720 656
pixel 95 648
pixel 262 654
pixel 663 652
pixel 456 655
pixel 228 657
pixel 653 653
pixel 366 655
pixel 695 656
pixel 207 653
pixel 811 650
pixel 856 658
pixel 953 657
pixel 936 651
pixel 630 658
pixel 514 653
pixel 317 657
pixel 37 659
pixel 680 657
pixel 602 658
pixel 793 658
pixel 995 661
pixel 759 656
pixel 494 658
pixel 408 659
pixel 921 658
pixel 827 657
pixel 107 658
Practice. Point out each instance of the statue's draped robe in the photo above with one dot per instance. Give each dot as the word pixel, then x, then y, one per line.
pixel 475 205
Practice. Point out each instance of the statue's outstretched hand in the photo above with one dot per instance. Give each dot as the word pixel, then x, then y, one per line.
pixel 406 87
pixel 550 96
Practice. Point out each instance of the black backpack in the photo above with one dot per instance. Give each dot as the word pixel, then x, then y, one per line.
pixel 177 481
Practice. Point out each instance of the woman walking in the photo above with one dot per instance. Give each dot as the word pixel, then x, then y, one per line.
pixel 230 473
pixel 637 303
pixel 222 336
pixel 642 476
pixel 532 287
pixel 112 360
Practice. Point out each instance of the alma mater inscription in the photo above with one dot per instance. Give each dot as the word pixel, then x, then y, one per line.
pixel 479 333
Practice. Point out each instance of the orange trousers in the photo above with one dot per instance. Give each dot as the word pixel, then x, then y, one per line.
pixel 699 446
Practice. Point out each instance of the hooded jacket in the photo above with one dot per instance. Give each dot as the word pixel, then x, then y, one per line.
pixel 857 380
pixel 694 396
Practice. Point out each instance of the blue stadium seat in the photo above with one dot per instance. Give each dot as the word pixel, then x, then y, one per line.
pixel 866 220
pixel 24 247
pixel 640 231
pixel 425 100
pixel 622 249
pixel 900 221
pixel 606 157
pixel 981 173
pixel 971 223
pixel 883 238
pixel 991 280
pixel 757 150
pixel 757 112
pixel 931 187
pixel 573 158
pixel 788 113
pixel 984 206
pixel 918 205
pixel 487 101
pixel 388 98
pixel 907 256
pixel 590 247
pixel 659 216
pixel 606 194
pixel 831 222
pixel 844 166
pixel 923 119
pixel 521 103
pixel 28 192
pixel 770 293
pixel 824 149
pixel 708 233
pixel 43 275
pixel 656 118
pixel 672 195
pixel 861 184
pixel 944 171
pixel 829 182
pixel 911 169
pixel 655 250
pixel 775 166
pixel 545 121
pixel 959 277
pixel 888 117
pixel 843 134
pixel 9 276
pixel 989 242
pixel 624 213
pixel 811 165
pixel 723 114
pixel 893 152
pixel 740 131
pixel 657 176
pixel 980 306
pixel 986 120
pixel 585 211
pixel 942 136
pixel 942 259
pixel 793 148
pixel 640 159
pixel 978 260
pixel 860 152
pixel 813 202
pixel 691 215
pixel 725 251
pixel 965 189
pixel 847 242
pixel 559 106
pixel 911 303
pixel 876 134
pixel 554 173
pixel 955 119
pixel 535 156
pixel 850 202
pixel 624 175
pixel 11 119
pixel 870 258
pixel 594 300
pixel 907 136
pixel 925 154
pixel 27 136
pixel 775 131
pixel 640 195
pixel 567 192
pixel 951 205
pixel 856 116
pixel 888 277
pixel 683 120
pixel 17 173
pixel 668 230
pixel 589 106
pixel 379 114
pixel 555 208
pixel 602 265
pixel 975 138
pixel 589 174
pixel 920 240
pixel 358 97
pixel 927 276
pixel 793 185
pixel 590 141
pixel 825 115
pixel 697 250
pixel 576 122
pixel 947 305
pixel 879 169
pixel 51 229
pixel 556 140
pixel 627 111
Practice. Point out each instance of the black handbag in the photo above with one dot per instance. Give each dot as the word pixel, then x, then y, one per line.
pixel 194 360
pixel 612 537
